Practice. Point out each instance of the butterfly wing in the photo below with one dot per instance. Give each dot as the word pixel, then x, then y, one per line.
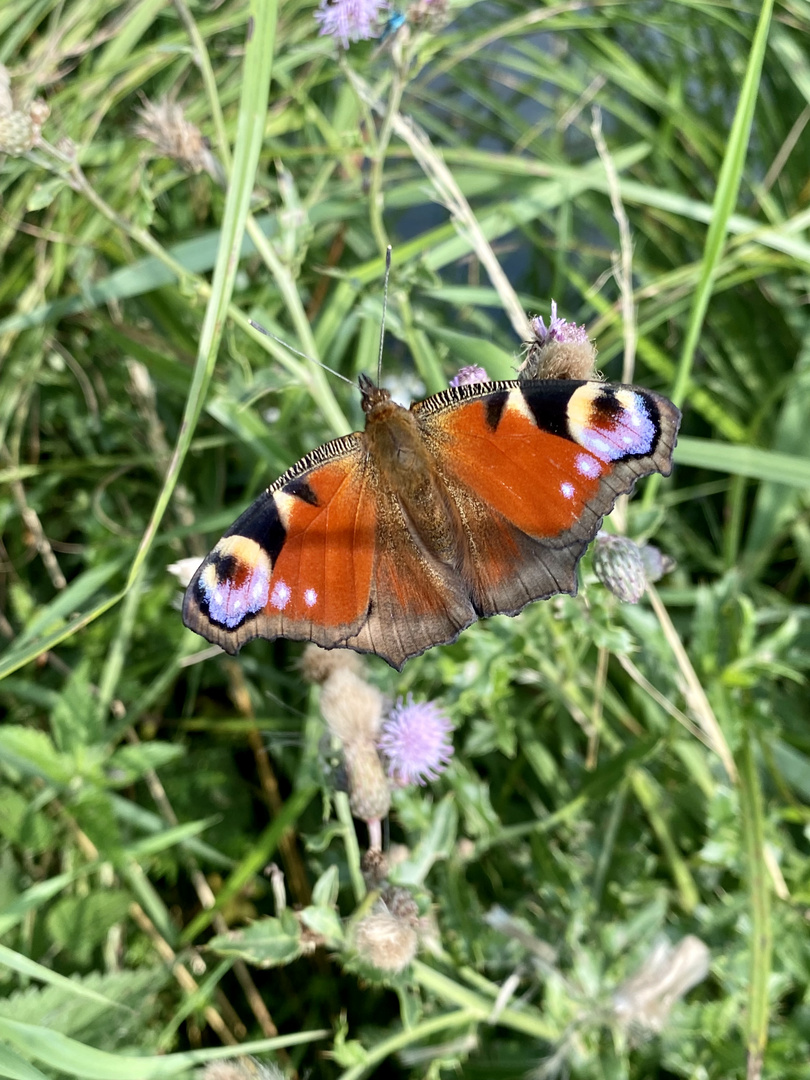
pixel 299 562
pixel 325 555
pixel 533 467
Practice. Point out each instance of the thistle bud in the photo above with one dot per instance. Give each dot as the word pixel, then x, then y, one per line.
pixel 351 707
pixel 318 664
pixel 369 790
pixel 618 564
pixel 656 563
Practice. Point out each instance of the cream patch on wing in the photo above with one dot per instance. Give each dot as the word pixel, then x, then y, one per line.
pixel 610 424
pixel 235 581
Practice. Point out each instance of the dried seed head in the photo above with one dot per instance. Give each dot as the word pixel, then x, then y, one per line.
pixel 561 350
pixel 375 867
pixel 646 998
pixel 429 15
pixel 184 569
pixel 163 123
pixel 369 790
pixel 318 664
pixel 401 904
pixel 351 707
pixel 385 941
pixel 618 564
pixel 241 1068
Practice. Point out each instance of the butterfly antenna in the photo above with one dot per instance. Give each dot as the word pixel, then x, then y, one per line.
pixel 385 305
pixel 297 352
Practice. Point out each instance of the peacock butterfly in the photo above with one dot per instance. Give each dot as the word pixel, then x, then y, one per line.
pixel 473 502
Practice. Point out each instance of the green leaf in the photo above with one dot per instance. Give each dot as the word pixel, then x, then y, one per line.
pixel 326 922
pixel 15 1067
pixel 80 923
pixel 32 970
pixel 743 461
pixel 130 763
pixel 266 943
pixel 66 1055
pixel 73 718
pixel 326 888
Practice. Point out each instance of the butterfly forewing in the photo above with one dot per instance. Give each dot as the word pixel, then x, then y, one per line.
pixel 299 562
pixel 534 467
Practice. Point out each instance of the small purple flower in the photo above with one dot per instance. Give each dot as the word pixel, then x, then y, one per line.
pixel 415 741
pixel 350 20
pixel 470 374
pixel 557 329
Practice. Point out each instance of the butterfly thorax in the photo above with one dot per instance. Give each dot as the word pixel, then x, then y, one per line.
pixel 407 477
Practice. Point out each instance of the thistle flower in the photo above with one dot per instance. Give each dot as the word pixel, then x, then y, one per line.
pixel 645 1000
pixel 350 20
pixel 561 350
pixel 470 374
pixel 618 564
pixel 415 742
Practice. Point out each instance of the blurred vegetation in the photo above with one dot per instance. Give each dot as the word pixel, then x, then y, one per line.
pixel 624 776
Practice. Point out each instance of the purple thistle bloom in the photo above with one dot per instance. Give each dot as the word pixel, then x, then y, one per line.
pixel 350 20
pixel 557 329
pixel 415 741
pixel 470 374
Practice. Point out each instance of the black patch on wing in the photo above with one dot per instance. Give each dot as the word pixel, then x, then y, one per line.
pixel 261 522
pixel 301 489
pixel 494 405
pixel 548 401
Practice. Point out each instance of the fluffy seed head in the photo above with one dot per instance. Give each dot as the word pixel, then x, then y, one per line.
pixel 415 741
pixel 163 123
pixel 369 789
pixel 385 941
pixel 646 998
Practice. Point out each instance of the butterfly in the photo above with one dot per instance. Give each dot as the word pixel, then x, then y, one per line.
pixel 473 502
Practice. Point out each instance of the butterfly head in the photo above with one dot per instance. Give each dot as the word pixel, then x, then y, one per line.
pixel 373 396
